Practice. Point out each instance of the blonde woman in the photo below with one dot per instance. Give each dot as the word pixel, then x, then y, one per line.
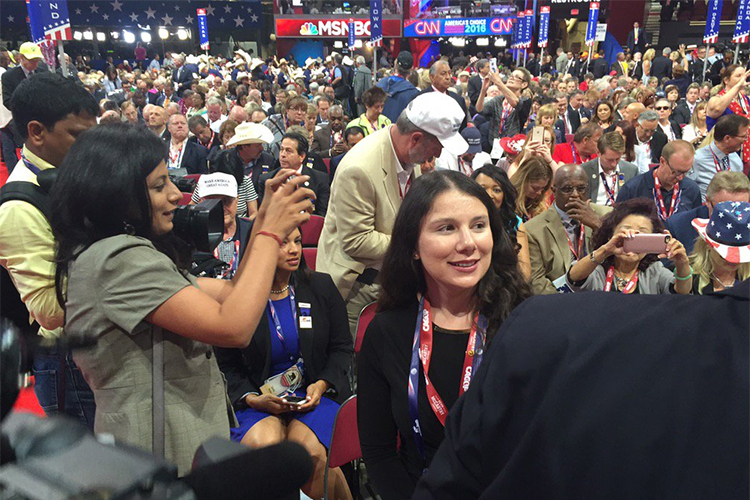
pixel 532 181
pixel 720 259
pixel 648 57
pixel 695 131
pixel 533 148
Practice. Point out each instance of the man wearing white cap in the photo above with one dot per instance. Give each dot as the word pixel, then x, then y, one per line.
pixel 370 183
pixel 30 57
pixel 248 142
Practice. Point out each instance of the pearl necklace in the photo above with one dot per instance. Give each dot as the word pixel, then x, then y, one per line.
pixel 277 292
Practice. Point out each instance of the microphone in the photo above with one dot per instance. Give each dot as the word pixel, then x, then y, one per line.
pixel 226 470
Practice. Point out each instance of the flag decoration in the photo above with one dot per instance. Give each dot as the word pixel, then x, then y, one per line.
pixel 352 34
pixel 52 18
pixel 742 28
pixel 713 18
pixel 37 34
pixel 221 15
pixel 376 23
pixel 518 29
pixel 544 27
pixel 203 29
pixel 528 31
pixel 593 21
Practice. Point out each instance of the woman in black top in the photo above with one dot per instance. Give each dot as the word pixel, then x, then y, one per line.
pixel 451 259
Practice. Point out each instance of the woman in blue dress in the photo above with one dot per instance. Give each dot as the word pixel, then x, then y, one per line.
pixel 287 384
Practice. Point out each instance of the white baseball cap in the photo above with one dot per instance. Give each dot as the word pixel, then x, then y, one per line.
pixel 441 116
pixel 217 184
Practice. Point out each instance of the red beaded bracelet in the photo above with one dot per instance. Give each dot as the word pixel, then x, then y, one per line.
pixel 271 235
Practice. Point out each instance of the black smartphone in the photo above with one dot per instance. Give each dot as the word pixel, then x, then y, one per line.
pixel 295 400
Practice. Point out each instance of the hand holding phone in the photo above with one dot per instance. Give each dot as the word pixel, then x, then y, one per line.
pixel 493 65
pixel 294 400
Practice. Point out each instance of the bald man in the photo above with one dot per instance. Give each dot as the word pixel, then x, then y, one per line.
pixel 238 114
pixel 442 80
pixel 561 235
pixel 157 122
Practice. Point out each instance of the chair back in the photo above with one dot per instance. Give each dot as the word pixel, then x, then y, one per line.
pixel 368 312
pixel 311 257
pixel 311 231
pixel 327 162
pixel 345 436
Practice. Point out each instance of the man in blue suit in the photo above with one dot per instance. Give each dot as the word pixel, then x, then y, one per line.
pixel 725 186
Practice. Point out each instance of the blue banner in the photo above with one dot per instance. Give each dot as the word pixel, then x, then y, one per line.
pixel 376 23
pixel 52 17
pixel 352 34
pixel 517 30
pixel 528 29
pixel 742 28
pixel 593 21
pixel 471 26
pixel 544 27
pixel 712 21
pixel 35 24
pixel 203 29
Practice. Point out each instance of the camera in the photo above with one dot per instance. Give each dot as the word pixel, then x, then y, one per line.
pixel 200 225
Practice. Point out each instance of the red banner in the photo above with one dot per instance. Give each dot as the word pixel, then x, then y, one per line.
pixel 307 27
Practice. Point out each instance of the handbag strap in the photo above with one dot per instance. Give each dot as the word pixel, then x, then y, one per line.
pixel 157 379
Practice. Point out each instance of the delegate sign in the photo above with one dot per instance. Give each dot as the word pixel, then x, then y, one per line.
pixel 474 26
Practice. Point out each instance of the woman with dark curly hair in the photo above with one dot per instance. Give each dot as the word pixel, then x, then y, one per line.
pixel 611 269
pixel 449 279
pixel 496 183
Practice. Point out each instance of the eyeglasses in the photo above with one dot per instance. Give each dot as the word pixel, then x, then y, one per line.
pixel 676 173
pixel 569 189
pixel 662 108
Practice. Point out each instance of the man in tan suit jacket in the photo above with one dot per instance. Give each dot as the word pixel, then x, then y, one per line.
pixel 367 191
pixel 551 245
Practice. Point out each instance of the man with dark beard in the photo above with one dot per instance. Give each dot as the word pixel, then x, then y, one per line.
pixel 370 182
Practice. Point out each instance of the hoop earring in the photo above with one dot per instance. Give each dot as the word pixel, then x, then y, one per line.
pixel 129 229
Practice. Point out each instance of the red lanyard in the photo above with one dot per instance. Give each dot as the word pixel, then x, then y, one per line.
pixel 628 288
pixel 663 214
pixel 402 192
pixel 209 141
pixel 174 160
pixel 465 166
pixel 581 243
pixel 716 159
pixel 617 182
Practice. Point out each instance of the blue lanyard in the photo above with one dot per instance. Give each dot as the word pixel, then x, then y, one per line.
pixel 472 361
pixel 34 169
pixel 275 318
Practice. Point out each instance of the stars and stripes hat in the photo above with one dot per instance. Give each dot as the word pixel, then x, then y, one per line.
pixel 728 231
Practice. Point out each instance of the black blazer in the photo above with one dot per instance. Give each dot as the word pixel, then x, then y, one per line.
pixel 642 41
pixel 318 183
pixel 11 79
pixel 194 159
pixel 575 118
pixel 661 67
pixel 599 67
pixel 474 88
pixel 184 81
pixel 658 141
pixel 326 349
pixel 214 144
pixel 458 99
pixel 321 143
pixel 617 68
pixel 263 163
pixel 635 68
pixel 681 113
pixel 672 370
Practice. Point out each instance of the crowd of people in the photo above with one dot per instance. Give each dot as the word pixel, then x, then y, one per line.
pixel 447 195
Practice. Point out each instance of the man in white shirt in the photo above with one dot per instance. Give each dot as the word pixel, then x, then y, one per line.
pixel 215 110
pixel 649 140
pixel 608 173
pixel 471 160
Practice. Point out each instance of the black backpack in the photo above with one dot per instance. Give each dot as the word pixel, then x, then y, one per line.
pixel 11 305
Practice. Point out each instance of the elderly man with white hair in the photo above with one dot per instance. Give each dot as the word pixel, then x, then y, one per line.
pixel 215 112
pixel 182 76
pixel 362 82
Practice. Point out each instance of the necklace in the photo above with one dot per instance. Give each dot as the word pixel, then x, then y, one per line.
pixel 721 282
pixel 277 292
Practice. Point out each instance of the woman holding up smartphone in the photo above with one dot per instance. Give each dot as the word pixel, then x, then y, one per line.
pixel 612 268
pixel 122 279
pixel 302 338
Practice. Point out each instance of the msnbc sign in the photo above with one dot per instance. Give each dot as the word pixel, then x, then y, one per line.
pixel 475 26
pixel 332 28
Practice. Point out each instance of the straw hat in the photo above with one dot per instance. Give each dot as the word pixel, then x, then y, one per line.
pixel 250 133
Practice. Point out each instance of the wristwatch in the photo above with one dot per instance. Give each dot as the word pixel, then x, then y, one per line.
pixel 593 259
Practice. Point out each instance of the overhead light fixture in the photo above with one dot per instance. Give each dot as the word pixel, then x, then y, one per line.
pixel 88 35
pixel 115 35
pixel 77 35
pixel 128 37
pixel 163 33
pixel 483 42
pixel 146 37
pixel 457 42
pixel 100 36
pixel 500 42
pixel 338 44
pixel 182 34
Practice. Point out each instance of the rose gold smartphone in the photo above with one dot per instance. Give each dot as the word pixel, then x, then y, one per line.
pixel 647 243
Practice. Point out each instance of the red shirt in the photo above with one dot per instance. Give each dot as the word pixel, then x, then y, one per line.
pixel 564 154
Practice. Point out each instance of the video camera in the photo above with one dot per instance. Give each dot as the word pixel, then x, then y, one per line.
pixel 58 458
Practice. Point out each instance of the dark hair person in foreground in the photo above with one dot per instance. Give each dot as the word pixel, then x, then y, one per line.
pixel 580 398
pixel 450 273
pixel 121 277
